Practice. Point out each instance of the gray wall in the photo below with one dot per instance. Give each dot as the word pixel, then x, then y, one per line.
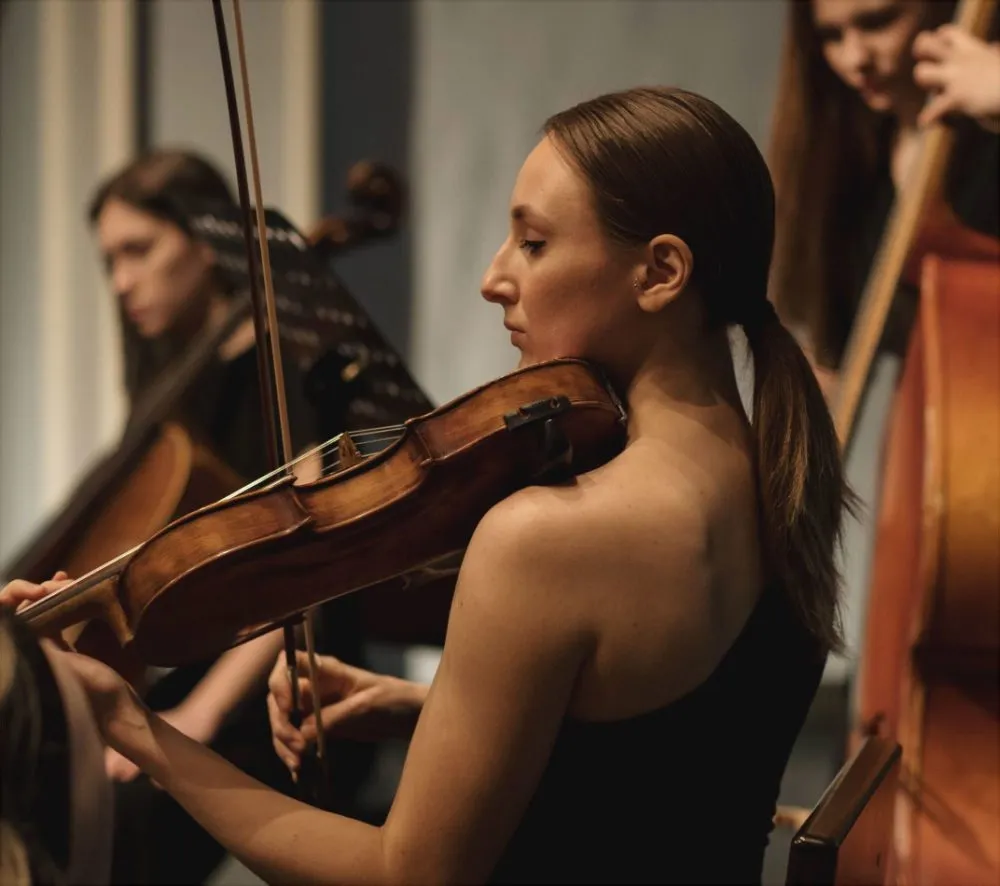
pixel 366 69
pixel 488 72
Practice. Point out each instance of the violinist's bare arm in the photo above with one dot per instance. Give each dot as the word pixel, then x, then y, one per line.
pixel 232 678
pixel 517 640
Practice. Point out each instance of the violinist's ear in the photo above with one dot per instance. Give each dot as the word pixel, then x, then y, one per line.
pixel 668 267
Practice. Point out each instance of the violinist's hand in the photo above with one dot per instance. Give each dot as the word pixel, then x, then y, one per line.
pixel 962 70
pixel 120 715
pixel 119 768
pixel 20 593
pixel 357 704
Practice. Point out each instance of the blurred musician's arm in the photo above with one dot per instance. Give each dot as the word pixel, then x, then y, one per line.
pixel 234 676
pixel 243 669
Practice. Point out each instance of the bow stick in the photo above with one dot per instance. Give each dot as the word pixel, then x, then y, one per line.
pixel 265 328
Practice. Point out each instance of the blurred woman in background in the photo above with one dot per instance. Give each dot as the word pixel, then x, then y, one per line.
pixel 853 91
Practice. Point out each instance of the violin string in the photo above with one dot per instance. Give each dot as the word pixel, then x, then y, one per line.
pixel 365 437
pixel 368 437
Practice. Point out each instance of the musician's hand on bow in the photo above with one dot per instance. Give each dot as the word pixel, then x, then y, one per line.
pixel 963 72
pixel 20 593
pixel 356 704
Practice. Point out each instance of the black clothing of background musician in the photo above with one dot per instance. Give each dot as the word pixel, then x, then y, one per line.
pixel 224 409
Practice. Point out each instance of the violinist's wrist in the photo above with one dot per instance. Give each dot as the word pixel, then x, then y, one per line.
pixel 130 732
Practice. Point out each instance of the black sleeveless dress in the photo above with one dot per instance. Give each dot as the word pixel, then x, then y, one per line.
pixel 682 794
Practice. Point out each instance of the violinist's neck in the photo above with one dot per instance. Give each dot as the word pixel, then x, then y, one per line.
pixel 680 381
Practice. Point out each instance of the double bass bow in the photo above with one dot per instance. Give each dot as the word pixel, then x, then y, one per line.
pixel 928 672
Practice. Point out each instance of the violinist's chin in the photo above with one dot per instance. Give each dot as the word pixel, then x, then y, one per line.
pixel 146 321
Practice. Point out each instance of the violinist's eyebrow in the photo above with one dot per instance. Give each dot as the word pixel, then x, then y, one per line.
pixel 524 212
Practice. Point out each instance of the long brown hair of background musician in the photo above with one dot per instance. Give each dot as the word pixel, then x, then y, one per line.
pixel 161 186
pixel 830 142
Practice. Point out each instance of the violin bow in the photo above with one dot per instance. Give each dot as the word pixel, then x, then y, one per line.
pixel 265 329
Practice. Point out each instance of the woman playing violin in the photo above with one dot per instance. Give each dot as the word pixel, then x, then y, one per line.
pixel 626 650
pixel 858 82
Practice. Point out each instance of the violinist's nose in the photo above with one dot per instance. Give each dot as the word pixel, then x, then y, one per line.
pixel 497 286
pixel 855 52
pixel 122 279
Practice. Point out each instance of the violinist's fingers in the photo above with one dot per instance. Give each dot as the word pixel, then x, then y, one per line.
pixel 117 767
pixel 287 740
pixel 60 575
pixel 930 75
pixel 338 715
pixel 20 593
pixel 282 729
pixel 932 45
pixel 936 108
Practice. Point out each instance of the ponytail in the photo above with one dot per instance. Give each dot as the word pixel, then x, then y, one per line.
pixel 803 491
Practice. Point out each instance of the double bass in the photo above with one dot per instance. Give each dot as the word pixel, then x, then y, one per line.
pixel 929 671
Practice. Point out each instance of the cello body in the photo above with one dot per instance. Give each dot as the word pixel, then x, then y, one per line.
pixel 120 504
pixel 928 675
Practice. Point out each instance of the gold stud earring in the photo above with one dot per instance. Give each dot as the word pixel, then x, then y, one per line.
pixel 636 285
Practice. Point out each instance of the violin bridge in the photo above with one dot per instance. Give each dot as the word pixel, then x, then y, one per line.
pixel 348 452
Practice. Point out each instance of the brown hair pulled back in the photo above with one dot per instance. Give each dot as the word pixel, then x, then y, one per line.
pixel 663 160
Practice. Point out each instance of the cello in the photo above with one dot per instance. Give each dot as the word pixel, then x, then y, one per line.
pixel 928 672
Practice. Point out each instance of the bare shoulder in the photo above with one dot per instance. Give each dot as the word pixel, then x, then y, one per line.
pixel 645 564
pixel 625 520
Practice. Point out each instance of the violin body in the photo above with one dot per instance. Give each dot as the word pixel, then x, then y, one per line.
pixel 230 571
pixel 930 666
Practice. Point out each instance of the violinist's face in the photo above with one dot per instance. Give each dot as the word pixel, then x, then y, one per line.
pixel 162 276
pixel 565 290
pixel 868 44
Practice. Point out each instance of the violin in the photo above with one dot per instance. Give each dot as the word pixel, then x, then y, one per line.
pixel 258 559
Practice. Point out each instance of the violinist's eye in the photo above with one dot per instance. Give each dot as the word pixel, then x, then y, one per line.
pixel 531 246
pixel 878 19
